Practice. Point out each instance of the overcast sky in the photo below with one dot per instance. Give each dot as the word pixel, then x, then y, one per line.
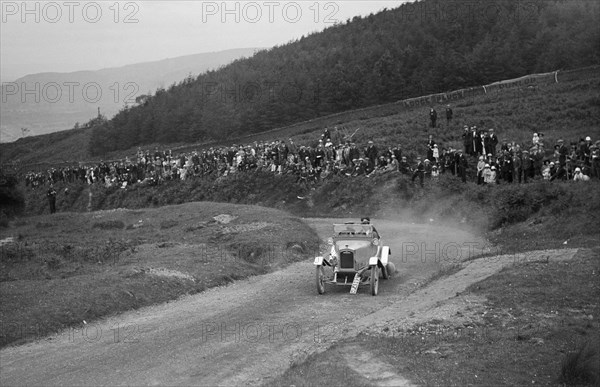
pixel 69 35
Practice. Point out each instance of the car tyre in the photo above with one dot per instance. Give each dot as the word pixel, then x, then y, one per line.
pixel 374 280
pixel 320 277
pixel 384 273
pixel 390 269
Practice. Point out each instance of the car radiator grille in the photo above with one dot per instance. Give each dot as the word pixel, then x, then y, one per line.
pixel 347 260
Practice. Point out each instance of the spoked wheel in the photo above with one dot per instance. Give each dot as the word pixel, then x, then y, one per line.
pixel 374 280
pixel 320 277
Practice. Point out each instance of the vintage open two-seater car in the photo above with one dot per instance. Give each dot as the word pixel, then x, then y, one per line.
pixel 356 258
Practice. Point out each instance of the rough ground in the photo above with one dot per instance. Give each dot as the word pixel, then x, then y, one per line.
pixel 254 329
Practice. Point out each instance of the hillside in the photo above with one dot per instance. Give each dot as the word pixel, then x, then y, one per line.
pixel 190 114
pixel 571 105
pixel 118 86
pixel 416 49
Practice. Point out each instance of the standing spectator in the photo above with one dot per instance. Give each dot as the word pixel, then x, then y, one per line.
pixel 526 166
pixel 482 142
pixel 475 141
pixel 293 149
pixel 419 171
pixel 397 151
pixel 586 151
pixel 467 140
pixel 449 115
pixel 430 145
pixel 506 167
pixel 354 153
pixel 492 142
pixel 51 195
pixel 428 168
pixel 517 166
pixel 463 164
pixel 480 167
pixel 436 154
pixel 433 117
pixel 447 161
pixel 371 153
pixel 595 160
pixel 563 151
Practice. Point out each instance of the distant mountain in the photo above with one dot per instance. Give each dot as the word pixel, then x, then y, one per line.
pixel 49 102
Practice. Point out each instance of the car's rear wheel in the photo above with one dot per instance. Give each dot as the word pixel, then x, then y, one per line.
pixel 374 280
pixel 320 277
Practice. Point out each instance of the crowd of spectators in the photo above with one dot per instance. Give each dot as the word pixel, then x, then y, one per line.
pixel 482 158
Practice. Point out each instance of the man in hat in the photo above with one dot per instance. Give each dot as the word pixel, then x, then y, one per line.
pixel 51 195
pixel 563 151
pixel 467 140
pixel 491 141
pixel 371 153
pixel 354 154
pixel 427 168
pixel 419 171
pixel 433 117
pixel 404 167
pixel 449 115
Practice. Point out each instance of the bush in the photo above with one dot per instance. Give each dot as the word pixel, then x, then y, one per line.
pixel 12 201
pixel 581 367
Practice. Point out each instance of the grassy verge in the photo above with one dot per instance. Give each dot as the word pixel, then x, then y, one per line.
pixel 539 325
pixel 537 315
pixel 63 269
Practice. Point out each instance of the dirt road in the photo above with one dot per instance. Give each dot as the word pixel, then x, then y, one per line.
pixel 244 333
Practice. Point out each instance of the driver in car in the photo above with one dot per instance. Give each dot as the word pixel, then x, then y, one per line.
pixel 366 220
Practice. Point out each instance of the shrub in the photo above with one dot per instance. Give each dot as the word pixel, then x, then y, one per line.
pixel 581 367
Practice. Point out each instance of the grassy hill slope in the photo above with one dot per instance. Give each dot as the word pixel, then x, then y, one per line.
pixel 68 268
pixel 569 108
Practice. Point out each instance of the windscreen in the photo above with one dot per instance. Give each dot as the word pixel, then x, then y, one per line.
pixel 353 229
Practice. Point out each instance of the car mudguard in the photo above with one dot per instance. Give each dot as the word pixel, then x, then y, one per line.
pixel 385 254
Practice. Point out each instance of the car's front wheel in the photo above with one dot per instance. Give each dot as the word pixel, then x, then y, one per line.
pixel 374 280
pixel 320 277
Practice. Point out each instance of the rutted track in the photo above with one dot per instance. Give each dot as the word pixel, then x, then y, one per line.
pixel 234 335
